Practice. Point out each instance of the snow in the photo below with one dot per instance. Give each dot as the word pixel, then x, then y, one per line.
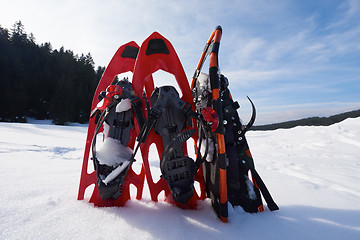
pixel 202 89
pixel 250 188
pixel 113 153
pixel 210 150
pixel 312 173
pixel 123 105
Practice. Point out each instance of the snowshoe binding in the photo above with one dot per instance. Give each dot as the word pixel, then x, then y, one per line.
pixel 176 168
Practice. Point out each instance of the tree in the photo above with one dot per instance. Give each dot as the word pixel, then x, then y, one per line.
pixel 18 32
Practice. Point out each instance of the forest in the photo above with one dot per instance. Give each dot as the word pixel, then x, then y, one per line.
pixel 39 82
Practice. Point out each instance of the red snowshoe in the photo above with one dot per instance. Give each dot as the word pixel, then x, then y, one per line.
pixel 122 133
pixel 168 116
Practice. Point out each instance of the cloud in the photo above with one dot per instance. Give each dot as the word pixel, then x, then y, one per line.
pixel 347 14
pixel 313 51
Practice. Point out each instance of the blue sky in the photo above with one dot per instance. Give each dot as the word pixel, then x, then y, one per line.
pixel 293 58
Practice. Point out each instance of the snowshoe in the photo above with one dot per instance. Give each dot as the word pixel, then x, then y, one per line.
pixel 121 130
pixel 168 119
pixel 226 169
pixel 176 168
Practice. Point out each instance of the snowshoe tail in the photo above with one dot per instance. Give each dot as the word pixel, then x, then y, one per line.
pixel 116 191
pixel 167 117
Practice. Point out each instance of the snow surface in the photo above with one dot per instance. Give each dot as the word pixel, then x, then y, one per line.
pixel 312 173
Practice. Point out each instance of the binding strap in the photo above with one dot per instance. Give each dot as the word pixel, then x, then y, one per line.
pixel 265 192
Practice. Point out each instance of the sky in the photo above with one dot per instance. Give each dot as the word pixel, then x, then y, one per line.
pixel 294 59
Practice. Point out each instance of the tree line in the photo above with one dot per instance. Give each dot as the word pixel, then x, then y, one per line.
pixel 39 82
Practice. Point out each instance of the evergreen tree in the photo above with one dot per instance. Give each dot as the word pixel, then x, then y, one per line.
pixel 39 82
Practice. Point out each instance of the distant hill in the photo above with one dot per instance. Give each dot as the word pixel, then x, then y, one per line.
pixel 311 121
